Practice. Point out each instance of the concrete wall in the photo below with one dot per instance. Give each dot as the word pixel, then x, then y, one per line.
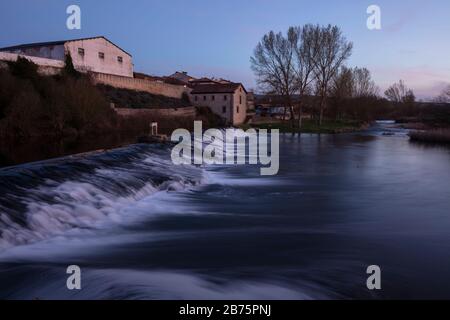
pixel 56 52
pixel 217 103
pixel 235 104
pixel 153 87
pixel 239 106
pixel 46 66
pixel 91 60
pixel 51 67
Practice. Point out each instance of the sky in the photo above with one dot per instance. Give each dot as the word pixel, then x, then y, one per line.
pixel 216 38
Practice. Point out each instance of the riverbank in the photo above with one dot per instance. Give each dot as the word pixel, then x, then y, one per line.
pixel 16 151
pixel 311 126
pixel 434 136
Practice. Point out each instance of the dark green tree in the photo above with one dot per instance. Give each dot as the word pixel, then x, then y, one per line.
pixel 23 68
pixel 69 68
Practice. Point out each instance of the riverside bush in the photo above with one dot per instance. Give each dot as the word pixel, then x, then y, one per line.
pixel 33 105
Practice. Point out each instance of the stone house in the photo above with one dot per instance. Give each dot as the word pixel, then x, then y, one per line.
pixel 96 54
pixel 228 100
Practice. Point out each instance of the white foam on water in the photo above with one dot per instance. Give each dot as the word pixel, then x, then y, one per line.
pixel 221 178
pixel 83 208
pixel 79 207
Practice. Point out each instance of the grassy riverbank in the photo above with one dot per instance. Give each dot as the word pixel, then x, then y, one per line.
pixel 311 126
pixel 435 136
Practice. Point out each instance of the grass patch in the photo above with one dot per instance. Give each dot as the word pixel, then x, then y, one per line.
pixel 436 136
pixel 311 126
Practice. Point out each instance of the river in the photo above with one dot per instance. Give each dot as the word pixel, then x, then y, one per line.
pixel 141 228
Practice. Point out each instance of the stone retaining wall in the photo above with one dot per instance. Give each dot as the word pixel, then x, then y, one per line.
pixel 51 67
pixel 178 112
pixel 153 87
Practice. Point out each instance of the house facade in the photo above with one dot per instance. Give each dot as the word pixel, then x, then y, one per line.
pixel 228 100
pixel 96 54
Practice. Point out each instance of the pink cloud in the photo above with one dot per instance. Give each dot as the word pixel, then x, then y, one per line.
pixel 427 82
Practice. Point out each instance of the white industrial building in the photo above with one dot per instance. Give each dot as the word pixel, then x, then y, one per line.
pixel 96 54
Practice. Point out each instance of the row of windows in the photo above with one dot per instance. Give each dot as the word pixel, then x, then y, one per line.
pixel 213 98
pixel 101 55
pixel 224 108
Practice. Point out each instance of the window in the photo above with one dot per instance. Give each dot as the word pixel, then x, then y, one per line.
pixel 120 59
pixel 213 98
pixel 204 98
pixel 101 55
pixel 196 98
pixel 224 109
pixel 224 98
pixel 81 52
pixel 237 109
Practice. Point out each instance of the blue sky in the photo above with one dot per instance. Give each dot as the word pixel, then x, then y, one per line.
pixel 216 38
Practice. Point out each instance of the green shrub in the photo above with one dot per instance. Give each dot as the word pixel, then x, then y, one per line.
pixel 209 118
pixel 34 105
pixel 69 69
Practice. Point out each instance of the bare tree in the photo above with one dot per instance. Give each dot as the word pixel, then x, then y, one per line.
pixel 343 83
pixel 304 64
pixel 447 93
pixel 363 85
pixel 273 64
pixel 444 97
pixel 341 89
pixel 329 50
pixel 353 83
pixel 353 93
pixel 400 93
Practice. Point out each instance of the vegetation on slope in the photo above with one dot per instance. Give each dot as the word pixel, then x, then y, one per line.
pixel 124 98
pixel 35 105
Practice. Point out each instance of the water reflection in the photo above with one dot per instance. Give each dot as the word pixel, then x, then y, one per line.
pixel 339 204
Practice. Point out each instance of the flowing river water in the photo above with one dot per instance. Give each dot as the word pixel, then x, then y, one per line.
pixel 140 227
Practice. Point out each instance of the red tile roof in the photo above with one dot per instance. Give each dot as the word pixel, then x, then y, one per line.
pixel 217 88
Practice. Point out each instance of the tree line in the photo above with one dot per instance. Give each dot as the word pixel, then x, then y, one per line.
pixel 309 62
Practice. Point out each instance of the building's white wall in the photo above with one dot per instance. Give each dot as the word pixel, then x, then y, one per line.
pixel 92 62
pixel 48 52
pixel 217 104
pixel 234 101
pixel 46 66
pixel 239 106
